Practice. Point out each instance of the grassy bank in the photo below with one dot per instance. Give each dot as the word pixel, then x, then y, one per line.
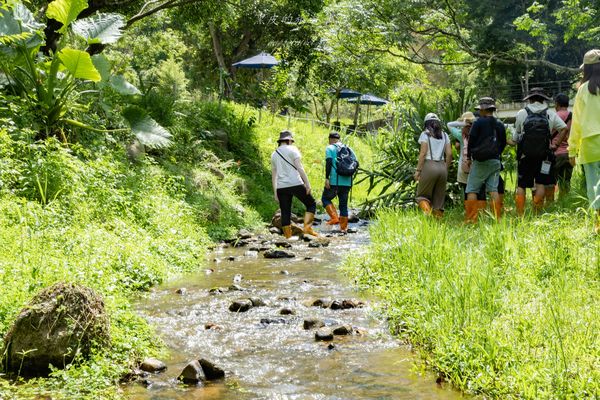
pixel 509 310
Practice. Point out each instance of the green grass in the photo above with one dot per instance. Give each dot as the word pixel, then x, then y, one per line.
pixel 510 310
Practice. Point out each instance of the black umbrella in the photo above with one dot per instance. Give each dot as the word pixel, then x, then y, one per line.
pixel 260 61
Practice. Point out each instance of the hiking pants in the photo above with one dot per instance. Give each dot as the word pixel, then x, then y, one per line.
pixel 432 184
pixel 286 195
pixel 342 193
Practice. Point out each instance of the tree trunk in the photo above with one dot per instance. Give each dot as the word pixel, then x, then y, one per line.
pixel 215 34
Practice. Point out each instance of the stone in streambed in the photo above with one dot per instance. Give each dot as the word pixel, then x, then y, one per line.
pixel 323 303
pixel 312 323
pixel 199 371
pixel 269 321
pixel 324 335
pixel 153 365
pixel 287 311
pixel 342 330
pixel 282 243
pixel 240 305
pixel 278 254
pixel 257 302
pixel 244 234
pixel 181 291
pixel 236 288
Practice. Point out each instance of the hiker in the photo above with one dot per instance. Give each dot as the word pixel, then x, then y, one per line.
pixel 584 141
pixel 487 140
pixel 535 152
pixel 435 158
pixel 289 181
pixel 563 170
pixel 338 182
pixel 460 131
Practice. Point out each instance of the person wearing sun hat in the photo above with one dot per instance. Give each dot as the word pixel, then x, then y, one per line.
pixel 584 139
pixel 459 130
pixel 487 140
pixel 290 180
pixel 534 125
pixel 435 157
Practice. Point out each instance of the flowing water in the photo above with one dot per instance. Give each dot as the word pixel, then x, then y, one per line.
pixel 279 360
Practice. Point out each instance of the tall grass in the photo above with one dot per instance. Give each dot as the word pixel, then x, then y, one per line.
pixel 508 310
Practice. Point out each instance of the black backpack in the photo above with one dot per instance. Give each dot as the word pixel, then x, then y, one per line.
pixel 346 162
pixel 487 148
pixel 535 142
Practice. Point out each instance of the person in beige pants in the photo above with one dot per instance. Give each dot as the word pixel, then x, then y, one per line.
pixel 435 157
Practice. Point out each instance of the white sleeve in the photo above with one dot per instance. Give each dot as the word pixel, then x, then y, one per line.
pixel 556 122
pixel 295 153
pixel 423 137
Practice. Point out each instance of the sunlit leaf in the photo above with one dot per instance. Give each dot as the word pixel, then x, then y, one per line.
pixel 102 65
pixel 65 11
pixel 79 64
pixel 19 27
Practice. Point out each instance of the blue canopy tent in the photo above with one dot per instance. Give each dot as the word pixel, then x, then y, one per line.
pixel 343 94
pixel 260 61
pixel 368 99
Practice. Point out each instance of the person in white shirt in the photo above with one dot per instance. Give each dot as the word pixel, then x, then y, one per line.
pixel 289 180
pixel 435 158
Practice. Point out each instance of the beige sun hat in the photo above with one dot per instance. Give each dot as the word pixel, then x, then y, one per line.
pixel 467 117
pixel 591 57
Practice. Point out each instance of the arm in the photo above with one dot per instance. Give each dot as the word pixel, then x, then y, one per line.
pixel 274 180
pixel 575 134
pixel 448 150
pixel 455 130
pixel 501 138
pixel 473 138
pixel 558 139
pixel 328 167
pixel 300 168
pixel 422 154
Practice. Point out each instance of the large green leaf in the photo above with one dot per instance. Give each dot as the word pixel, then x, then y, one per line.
pixel 100 28
pixel 147 130
pixel 79 64
pixel 19 27
pixel 119 83
pixel 65 11
pixel 102 65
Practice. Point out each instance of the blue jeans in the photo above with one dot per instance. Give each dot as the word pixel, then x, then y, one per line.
pixel 342 195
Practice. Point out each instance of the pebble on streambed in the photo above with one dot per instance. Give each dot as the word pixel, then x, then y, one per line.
pixel 324 335
pixel 200 371
pixel 152 365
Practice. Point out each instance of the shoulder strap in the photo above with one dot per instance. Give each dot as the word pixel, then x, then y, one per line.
pixel 284 159
pixel 569 117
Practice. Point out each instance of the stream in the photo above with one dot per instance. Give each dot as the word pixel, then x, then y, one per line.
pixel 267 355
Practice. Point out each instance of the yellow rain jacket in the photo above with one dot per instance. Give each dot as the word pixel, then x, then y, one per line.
pixel 584 140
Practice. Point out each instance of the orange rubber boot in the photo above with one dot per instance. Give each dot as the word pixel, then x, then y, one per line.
pixel 520 204
pixel 344 224
pixel 287 231
pixel 425 206
pixel 333 215
pixel 438 213
pixel 538 204
pixel 308 221
pixel 471 211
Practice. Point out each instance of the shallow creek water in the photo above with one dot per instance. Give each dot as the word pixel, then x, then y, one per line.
pixel 279 360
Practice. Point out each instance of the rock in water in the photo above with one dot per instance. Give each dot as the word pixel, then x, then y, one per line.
pixel 324 335
pixel 211 371
pixel 59 322
pixel 241 305
pixel 313 323
pixel 278 254
pixel 199 371
pixel 152 365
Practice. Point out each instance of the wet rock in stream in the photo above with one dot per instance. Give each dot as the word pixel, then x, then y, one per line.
pixel 236 288
pixel 278 254
pixel 257 302
pixel 181 291
pixel 313 323
pixel 287 311
pixel 152 365
pixel 270 321
pixel 244 234
pixel 323 303
pixel 282 243
pixel 199 371
pixel 342 330
pixel 324 335
pixel 240 305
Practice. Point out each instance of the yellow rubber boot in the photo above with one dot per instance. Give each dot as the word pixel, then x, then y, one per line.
pixel 287 231
pixel 333 215
pixel 308 221
pixel 425 206
pixel 344 224
pixel 438 213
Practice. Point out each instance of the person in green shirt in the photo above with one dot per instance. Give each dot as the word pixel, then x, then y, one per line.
pixel 335 185
pixel 584 139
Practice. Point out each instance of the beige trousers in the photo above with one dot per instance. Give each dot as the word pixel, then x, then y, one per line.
pixel 432 184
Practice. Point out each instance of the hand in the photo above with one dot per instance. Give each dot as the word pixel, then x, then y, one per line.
pixel 308 190
pixel 417 175
pixel 327 185
pixel 572 161
pixel 276 198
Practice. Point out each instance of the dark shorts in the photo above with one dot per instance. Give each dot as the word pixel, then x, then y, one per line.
pixel 563 170
pixel 529 173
